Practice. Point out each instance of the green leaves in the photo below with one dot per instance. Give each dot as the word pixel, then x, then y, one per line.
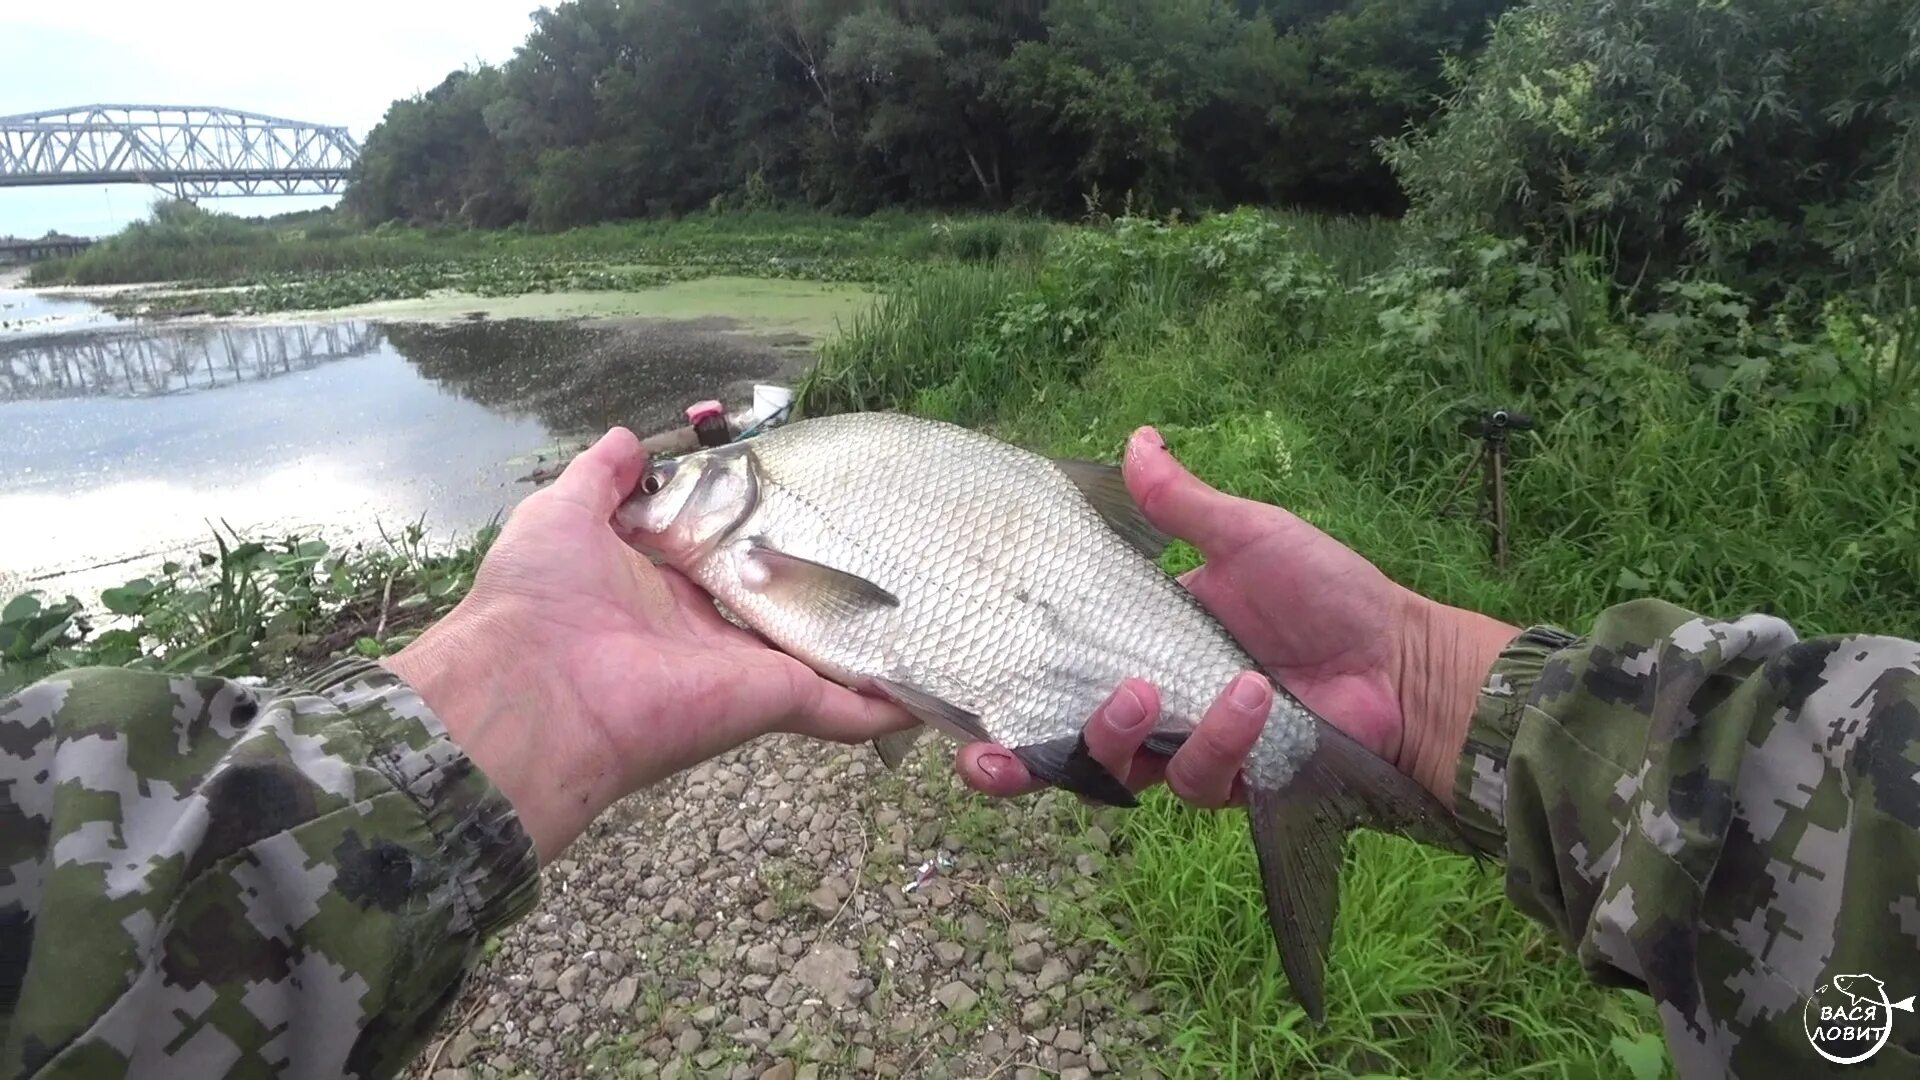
pixel 246 607
pixel 1760 142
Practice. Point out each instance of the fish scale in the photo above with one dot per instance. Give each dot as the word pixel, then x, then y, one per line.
pixel 1004 574
pixel 1000 595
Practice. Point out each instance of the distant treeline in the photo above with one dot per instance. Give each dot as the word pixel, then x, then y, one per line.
pixel 1774 144
pixel 622 108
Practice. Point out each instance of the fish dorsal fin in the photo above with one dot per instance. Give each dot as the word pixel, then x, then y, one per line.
pixel 1106 488
pixel 811 586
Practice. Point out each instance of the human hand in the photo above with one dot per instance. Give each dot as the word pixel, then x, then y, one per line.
pixel 1396 671
pixel 576 672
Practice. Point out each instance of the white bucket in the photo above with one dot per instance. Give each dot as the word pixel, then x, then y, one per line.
pixel 768 400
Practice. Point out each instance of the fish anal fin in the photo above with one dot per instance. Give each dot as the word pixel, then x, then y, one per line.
pixel 894 746
pixel 812 586
pixel 933 710
pixel 1106 488
pixel 1065 763
pixel 1299 836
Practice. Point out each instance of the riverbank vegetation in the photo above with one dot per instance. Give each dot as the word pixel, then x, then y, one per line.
pixel 1682 237
pixel 223 265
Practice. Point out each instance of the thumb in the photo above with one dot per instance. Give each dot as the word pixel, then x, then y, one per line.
pixel 601 476
pixel 1181 504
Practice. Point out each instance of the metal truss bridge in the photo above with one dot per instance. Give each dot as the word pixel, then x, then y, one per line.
pixel 190 150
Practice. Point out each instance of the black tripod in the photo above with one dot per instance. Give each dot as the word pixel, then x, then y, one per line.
pixel 1491 429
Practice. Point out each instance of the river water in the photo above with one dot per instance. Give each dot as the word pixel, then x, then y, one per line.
pixel 125 443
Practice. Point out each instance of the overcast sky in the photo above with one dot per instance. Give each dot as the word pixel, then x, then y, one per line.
pixel 331 62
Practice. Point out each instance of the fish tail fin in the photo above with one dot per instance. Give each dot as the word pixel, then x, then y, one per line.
pixel 1299 837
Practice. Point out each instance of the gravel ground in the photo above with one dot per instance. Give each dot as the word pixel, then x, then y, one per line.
pixel 751 919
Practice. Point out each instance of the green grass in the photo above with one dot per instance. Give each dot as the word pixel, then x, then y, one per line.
pixel 1687 449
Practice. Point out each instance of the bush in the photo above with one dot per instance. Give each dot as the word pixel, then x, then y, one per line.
pixel 1765 143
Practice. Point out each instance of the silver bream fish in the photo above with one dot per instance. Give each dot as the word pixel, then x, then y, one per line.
pixel 999 595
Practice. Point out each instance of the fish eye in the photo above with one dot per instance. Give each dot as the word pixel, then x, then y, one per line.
pixel 656 478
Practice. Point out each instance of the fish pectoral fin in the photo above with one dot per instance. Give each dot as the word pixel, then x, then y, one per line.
pixel 1065 763
pixel 812 586
pixel 933 711
pixel 1299 839
pixel 894 747
pixel 1106 488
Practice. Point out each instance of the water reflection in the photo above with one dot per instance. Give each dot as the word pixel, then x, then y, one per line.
pixel 171 360
pixel 127 445
pixel 585 377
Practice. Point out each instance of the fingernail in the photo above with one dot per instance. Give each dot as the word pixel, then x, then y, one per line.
pixel 1126 710
pixel 1247 692
pixel 1153 434
pixel 994 764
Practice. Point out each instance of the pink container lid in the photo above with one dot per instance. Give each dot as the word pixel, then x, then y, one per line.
pixel 704 410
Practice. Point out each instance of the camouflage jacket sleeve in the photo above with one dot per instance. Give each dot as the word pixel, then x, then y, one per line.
pixel 202 878
pixel 1717 813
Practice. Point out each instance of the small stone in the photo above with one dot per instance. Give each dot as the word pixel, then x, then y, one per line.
pixel 765 911
pixel 1069 1039
pixel 568 1016
pixel 1078 1072
pixel 711 979
pixel 1052 974
pixel 1142 1002
pixel 1028 957
pixel 620 998
pixel 450 1074
pixel 948 952
pixel 705 1015
pixel 956 996
pixel 731 839
pixel 651 887
pixel 689 1041
pixel 974 929
pixel 1096 838
pixel 829 970
pixel 676 909
pixel 707 1059
pixel 1033 1014
pixel 824 899
pixel 569 982
pixel 464 1044
pixel 1096 1062
pixel 782 1071
pixel 763 959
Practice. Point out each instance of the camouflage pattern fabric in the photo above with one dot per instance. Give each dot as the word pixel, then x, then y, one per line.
pixel 200 878
pixel 1716 813
pixel 203 878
